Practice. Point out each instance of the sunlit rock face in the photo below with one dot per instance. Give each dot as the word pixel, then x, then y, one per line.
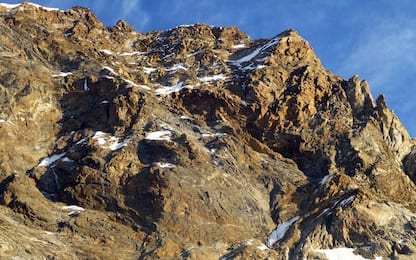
pixel 192 143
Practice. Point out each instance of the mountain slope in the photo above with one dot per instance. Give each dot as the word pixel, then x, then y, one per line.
pixel 192 143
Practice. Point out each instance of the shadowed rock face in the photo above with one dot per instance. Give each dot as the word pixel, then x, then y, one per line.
pixel 192 143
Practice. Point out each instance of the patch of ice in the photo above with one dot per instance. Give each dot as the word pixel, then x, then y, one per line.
pixel 340 253
pixel 159 135
pixel 61 74
pixel 280 231
pixel 148 70
pixel 324 179
pixel 169 90
pixel 257 51
pixel 106 52
pixel 50 160
pixel 165 165
pixel 347 201
pixel 211 78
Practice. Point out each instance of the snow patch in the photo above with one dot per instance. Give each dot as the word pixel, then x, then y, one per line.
pixel 168 90
pixel 106 52
pixel 257 51
pixel 324 179
pixel 131 53
pixel 219 135
pixel 50 160
pixel 11 6
pixel 176 67
pixel 165 165
pixel 75 210
pixel 212 78
pixel 86 85
pixel 66 159
pixel 340 253
pixel 194 53
pixel 239 46
pixel 61 74
pixel 73 207
pixel 347 201
pixel 148 70
pixel 183 117
pixel 108 141
pixel 163 135
pixel 280 231
pixel 110 70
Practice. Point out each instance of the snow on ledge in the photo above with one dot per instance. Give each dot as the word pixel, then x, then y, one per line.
pixel 163 135
pixel 108 141
pixel 342 253
pixel 168 90
pixel 51 159
pixel 257 51
pixel 61 74
pixel 165 165
pixel 73 207
pixel 280 232
pixel 212 78
pixel 106 52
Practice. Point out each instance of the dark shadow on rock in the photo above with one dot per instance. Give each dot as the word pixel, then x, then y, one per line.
pixel 144 196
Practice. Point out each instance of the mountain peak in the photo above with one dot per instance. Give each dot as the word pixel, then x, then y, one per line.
pixel 194 142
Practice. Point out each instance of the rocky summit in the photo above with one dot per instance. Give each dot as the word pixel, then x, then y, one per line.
pixel 193 143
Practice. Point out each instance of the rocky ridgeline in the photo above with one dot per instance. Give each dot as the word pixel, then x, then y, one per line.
pixel 192 143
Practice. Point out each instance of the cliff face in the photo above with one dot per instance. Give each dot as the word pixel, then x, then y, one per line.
pixel 192 143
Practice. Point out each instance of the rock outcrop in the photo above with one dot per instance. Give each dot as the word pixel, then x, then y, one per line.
pixel 192 143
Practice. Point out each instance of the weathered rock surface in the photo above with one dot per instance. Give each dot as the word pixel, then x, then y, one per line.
pixel 192 143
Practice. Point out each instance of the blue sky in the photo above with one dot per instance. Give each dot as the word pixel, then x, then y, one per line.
pixel 375 39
